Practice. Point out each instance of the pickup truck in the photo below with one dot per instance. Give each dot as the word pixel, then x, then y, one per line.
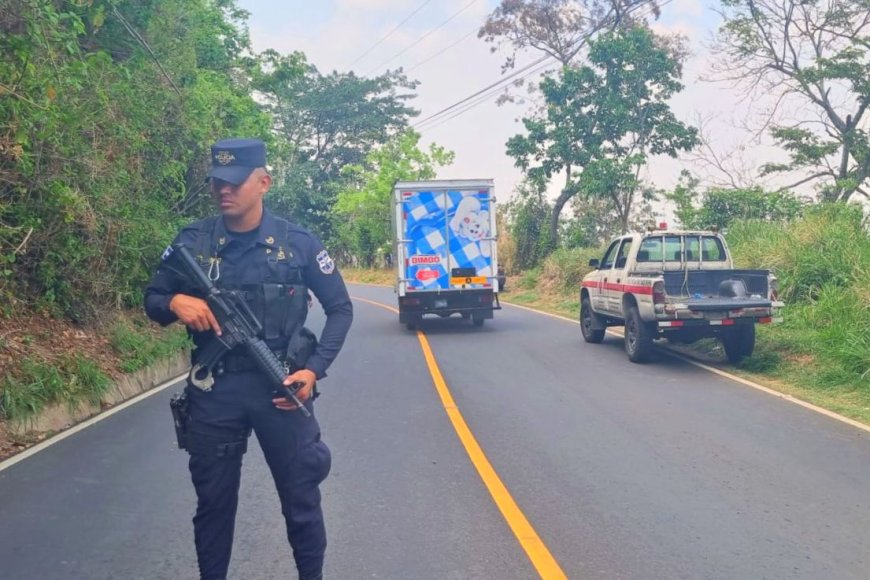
pixel 678 285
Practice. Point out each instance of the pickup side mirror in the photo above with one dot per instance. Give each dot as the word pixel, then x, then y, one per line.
pixel 593 263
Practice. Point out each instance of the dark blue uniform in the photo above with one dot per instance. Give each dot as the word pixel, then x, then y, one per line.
pixel 241 398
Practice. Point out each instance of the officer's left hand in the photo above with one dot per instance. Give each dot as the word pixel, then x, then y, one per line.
pixel 305 376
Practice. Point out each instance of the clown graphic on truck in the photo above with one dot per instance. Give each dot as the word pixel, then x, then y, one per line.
pixel 445 248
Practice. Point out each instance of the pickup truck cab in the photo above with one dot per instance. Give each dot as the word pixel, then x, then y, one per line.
pixel 679 285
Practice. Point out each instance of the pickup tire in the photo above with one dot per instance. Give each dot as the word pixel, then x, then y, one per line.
pixel 413 323
pixel 587 318
pixel 739 342
pixel 638 336
pixel 477 320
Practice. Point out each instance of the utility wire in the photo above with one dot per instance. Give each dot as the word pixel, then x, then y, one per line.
pixel 144 44
pixel 390 33
pixel 488 92
pixel 422 38
pixel 440 52
pixel 435 123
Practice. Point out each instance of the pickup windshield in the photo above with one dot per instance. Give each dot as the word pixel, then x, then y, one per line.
pixel 670 249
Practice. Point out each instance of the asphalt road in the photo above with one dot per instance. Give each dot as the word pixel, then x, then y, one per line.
pixel 657 471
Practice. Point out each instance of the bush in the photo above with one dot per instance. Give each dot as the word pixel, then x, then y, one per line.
pixel 823 265
pixel 563 270
pixel 828 247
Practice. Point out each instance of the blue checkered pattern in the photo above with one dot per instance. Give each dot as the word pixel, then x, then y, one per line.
pixel 427 227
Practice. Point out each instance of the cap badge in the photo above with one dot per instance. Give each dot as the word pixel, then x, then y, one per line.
pixel 224 157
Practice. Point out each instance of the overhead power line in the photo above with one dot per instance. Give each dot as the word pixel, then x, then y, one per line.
pixel 440 52
pixel 464 105
pixel 422 38
pixel 390 33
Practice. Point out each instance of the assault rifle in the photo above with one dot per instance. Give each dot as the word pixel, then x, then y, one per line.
pixel 239 329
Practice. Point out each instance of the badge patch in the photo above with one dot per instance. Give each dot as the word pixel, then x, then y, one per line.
pixel 166 253
pixel 327 266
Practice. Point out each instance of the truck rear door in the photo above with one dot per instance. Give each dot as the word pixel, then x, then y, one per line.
pixel 449 239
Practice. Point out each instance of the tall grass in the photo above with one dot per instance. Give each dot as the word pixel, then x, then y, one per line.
pixel 563 270
pixel 39 383
pixel 822 262
pixel 138 345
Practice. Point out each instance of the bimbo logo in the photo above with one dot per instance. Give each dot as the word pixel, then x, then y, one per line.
pixel 418 260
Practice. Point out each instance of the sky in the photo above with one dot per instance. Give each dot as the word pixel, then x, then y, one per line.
pixel 344 35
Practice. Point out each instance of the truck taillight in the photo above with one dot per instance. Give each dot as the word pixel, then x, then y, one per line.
pixel 412 301
pixel 658 293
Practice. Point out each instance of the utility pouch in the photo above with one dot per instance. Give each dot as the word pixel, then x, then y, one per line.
pixel 180 407
pixel 301 346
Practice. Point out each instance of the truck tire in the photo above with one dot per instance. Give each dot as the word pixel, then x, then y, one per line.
pixel 587 318
pixel 638 336
pixel 477 320
pixel 413 323
pixel 739 342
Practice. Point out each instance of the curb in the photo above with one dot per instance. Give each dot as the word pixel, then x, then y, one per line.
pixel 60 416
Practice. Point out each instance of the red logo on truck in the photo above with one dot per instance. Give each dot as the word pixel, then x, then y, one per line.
pixel 426 275
pixel 428 260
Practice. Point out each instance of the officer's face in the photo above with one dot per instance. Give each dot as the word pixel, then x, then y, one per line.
pixel 240 201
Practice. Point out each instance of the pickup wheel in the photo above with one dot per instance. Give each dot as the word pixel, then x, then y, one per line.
pixel 638 336
pixel 739 342
pixel 587 318
pixel 413 323
pixel 477 320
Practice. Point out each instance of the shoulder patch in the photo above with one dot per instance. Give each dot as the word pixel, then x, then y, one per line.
pixel 327 266
pixel 166 253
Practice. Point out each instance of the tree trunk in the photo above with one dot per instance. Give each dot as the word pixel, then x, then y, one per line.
pixel 567 193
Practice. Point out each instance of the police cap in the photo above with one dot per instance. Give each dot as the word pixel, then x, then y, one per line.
pixel 233 160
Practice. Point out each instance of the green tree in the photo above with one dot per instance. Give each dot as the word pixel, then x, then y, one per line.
pixel 105 112
pixel 811 55
pixel 720 207
pixel 604 120
pixel 325 122
pixel 363 208
pixel 528 214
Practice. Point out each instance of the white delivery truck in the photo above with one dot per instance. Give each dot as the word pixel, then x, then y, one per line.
pixel 445 250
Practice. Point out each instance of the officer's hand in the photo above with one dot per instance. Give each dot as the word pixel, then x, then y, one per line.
pixel 302 376
pixel 194 312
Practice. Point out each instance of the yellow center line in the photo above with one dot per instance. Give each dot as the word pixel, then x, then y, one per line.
pixel 540 556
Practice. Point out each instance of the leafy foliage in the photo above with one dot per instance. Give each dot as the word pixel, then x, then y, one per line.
pixel 815 53
pixel 603 120
pixel 105 115
pixel 325 122
pixel 364 207
pixel 720 207
pixel 528 214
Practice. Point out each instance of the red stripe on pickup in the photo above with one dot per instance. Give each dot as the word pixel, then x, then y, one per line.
pixel 632 288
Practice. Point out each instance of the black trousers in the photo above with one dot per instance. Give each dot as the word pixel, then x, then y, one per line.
pixel 299 461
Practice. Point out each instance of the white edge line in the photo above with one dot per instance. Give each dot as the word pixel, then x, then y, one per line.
pixel 727 375
pixel 85 424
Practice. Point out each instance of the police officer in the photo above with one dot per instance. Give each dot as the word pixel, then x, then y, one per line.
pixel 274 263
